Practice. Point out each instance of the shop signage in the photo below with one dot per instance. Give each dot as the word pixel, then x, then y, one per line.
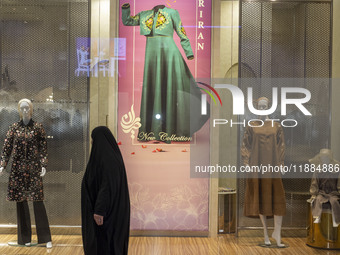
pixel 238 100
pixel 238 105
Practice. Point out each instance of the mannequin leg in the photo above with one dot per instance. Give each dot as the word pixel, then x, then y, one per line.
pixel 41 221
pixel 24 223
pixel 265 231
pixel 277 230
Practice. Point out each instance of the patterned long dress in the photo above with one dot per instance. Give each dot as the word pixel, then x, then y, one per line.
pixel 171 101
pixel 28 147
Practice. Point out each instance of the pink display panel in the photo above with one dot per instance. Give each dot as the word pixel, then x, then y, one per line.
pixel 162 193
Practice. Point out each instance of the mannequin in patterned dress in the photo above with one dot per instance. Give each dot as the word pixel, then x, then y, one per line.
pixel 26 143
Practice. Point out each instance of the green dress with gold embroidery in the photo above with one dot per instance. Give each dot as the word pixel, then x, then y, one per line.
pixel 170 105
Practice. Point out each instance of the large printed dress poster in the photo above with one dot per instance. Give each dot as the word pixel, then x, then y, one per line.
pixel 165 46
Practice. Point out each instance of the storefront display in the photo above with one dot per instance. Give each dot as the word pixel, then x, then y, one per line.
pixel 225 114
pixel 325 186
pixel 169 89
pixel 26 139
pixel 264 194
pixel 38 60
pixel 159 112
pixel 278 47
pixel 323 212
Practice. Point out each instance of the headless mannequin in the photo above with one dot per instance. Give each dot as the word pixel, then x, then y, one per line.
pixel 262 104
pixel 25 112
pixel 325 157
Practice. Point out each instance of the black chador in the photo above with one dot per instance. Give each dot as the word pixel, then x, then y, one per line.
pixel 105 192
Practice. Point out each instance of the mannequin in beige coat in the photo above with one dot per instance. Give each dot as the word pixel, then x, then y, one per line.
pixel 265 194
pixel 325 186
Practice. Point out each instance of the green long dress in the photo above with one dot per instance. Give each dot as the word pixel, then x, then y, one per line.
pixel 170 105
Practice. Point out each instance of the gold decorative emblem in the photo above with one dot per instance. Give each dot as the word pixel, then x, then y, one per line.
pixel 130 123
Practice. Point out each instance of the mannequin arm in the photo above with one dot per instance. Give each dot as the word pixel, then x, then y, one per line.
pixel 311 199
pixel 43 171
pixel 314 188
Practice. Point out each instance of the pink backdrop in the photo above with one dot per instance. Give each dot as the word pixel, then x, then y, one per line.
pixel 163 196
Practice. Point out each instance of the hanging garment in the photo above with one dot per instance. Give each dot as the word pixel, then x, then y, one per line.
pixel 28 147
pixel 105 192
pixel 264 192
pixel 171 100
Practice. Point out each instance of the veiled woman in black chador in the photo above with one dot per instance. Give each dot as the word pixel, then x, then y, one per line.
pixel 105 203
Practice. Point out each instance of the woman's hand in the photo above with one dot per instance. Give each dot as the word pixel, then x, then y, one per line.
pixel 98 219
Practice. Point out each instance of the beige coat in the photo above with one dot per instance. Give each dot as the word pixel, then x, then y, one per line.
pixel 325 187
pixel 264 193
